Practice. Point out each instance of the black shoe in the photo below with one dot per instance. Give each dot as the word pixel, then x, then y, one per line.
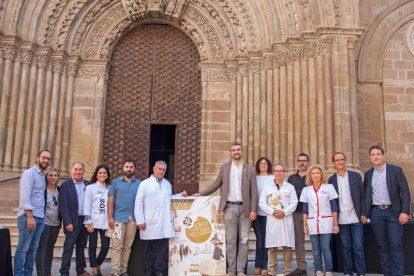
pixel 298 271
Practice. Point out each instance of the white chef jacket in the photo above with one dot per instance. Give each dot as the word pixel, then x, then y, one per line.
pixel 279 232
pixel 95 206
pixel 320 219
pixel 153 207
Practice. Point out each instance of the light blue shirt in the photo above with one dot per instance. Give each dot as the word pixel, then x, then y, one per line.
pixel 380 195
pixel 124 194
pixel 32 192
pixel 80 191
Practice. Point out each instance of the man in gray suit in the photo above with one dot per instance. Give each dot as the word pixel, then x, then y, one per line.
pixel 238 201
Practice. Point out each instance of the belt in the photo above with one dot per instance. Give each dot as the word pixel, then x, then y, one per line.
pixel 382 206
pixel 235 202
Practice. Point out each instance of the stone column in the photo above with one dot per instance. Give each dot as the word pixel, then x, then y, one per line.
pixel 42 58
pixel 327 74
pixel 239 106
pixel 304 106
pixel 250 152
pixel 297 108
pixel 14 101
pixel 263 114
pixel 31 97
pixel 353 100
pixel 47 106
pixel 8 52
pixel 244 71
pixel 256 109
pixel 336 101
pixel 276 115
pixel 72 67
pixel 313 115
pixel 61 117
pixel 320 110
pixel 269 115
pixel 233 102
pixel 283 115
pixel 27 54
pixel 290 118
pixel 57 66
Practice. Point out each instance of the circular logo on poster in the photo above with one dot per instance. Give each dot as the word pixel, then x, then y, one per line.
pixel 200 231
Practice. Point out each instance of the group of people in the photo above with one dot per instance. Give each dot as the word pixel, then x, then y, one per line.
pixel 309 203
pixel 113 210
pixel 281 213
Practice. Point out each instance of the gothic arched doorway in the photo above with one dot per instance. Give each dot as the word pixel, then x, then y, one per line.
pixel 154 80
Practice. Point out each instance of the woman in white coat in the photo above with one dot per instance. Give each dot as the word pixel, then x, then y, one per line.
pixel 320 214
pixel 279 201
pixel 264 178
pixel 96 216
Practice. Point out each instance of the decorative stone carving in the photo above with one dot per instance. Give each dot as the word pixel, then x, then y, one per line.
pixel 409 38
pixel 73 65
pixel 268 62
pixel 53 11
pixel 84 25
pixel 291 16
pixel 307 14
pixel 88 71
pixel 43 57
pixel 114 34
pixel 140 8
pixel 9 50
pixel 337 12
pixel 28 53
pixel 214 72
pixel 58 62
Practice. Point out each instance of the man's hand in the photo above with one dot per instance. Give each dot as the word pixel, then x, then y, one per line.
pixel 403 218
pixel 305 229
pixel 31 223
pixel 335 229
pixel 252 216
pixel 184 193
pixel 111 224
pixel 89 228
pixel 69 227
pixel 363 219
pixel 196 194
pixel 279 214
pixel 142 226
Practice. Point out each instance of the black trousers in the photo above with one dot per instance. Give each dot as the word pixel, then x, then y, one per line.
pixel 78 237
pixel 156 257
pixel 93 240
pixel 44 255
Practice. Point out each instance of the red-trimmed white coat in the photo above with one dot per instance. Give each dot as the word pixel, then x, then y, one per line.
pixel 320 219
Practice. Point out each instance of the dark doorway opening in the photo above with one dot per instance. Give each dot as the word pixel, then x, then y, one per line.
pixel 162 147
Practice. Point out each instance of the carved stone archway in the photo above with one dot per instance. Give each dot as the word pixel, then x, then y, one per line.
pixel 154 79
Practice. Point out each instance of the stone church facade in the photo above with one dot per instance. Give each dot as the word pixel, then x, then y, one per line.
pixel 88 79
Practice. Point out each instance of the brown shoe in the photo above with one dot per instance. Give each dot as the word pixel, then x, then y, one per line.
pixel 257 270
pixel 85 273
pixel 264 272
pixel 298 271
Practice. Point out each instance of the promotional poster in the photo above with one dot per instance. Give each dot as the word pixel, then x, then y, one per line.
pixel 199 246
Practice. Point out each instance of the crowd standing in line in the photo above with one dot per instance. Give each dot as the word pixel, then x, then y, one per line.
pixel 249 197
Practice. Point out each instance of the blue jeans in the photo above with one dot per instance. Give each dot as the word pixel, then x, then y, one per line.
pixel 352 237
pixel 259 226
pixel 25 255
pixel 321 246
pixel 389 235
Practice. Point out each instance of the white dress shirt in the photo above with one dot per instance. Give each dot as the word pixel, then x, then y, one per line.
pixel 347 214
pixel 380 193
pixel 235 194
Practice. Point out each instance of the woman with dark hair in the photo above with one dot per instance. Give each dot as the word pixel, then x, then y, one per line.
pixel 44 254
pixel 96 216
pixel 264 177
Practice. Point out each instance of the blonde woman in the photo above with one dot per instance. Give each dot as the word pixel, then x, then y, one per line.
pixel 44 254
pixel 320 214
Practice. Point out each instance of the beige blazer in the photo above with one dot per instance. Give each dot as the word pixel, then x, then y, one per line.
pixel 249 187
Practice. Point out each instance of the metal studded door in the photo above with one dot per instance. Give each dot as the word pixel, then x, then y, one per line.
pixel 154 79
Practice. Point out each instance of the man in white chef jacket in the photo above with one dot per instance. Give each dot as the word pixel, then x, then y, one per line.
pixel 153 216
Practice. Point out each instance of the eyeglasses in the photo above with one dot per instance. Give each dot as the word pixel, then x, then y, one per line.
pixel 55 200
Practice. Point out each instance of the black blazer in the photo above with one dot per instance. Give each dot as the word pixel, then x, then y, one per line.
pixel 357 192
pixel 397 189
pixel 68 202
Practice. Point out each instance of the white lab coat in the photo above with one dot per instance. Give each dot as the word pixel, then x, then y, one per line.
pixel 279 232
pixel 153 207
pixel 320 219
pixel 95 206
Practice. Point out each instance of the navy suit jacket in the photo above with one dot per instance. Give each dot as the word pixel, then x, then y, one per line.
pixel 357 192
pixel 68 202
pixel 397 189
